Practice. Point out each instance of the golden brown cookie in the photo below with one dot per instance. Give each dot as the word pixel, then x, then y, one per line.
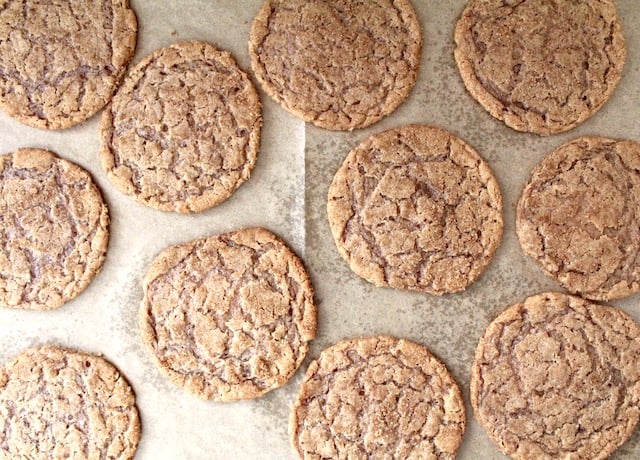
pixel 542 66
pixel 58 403
pixel 61 61
pixel 416 208
pixel 53 227
pixel 558 377
pixel 579 217
pixel 183 131
pixel 228 317
pixel 339 64
pixel 377 397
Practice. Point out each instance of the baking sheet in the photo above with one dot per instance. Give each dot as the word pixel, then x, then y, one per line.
pixel 287 194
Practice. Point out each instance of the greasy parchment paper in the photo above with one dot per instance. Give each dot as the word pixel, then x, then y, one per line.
pixel 287 194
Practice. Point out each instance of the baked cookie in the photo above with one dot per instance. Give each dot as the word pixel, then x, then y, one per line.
pixel 58 403
pixel 62 61
pixel 579 217
pixel 183 131
pixel 542 66
pixel 54 227
pixel 558 377
pixel 228 317
pixel 377 397
pixel 339 64
pixel 416 208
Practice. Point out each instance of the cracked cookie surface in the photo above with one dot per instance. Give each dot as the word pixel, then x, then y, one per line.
pixel 579 217
pixel 59 403
pixel 61 61
pixel 339 64
pixel 53 228
pixel 183 131
pixel 416 208
pixel 558 377
pixel 228 317
pixel 377 397
pixel 542 66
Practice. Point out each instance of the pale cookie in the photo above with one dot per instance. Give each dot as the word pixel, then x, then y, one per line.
pixel 228 317
pixel 339 64
pixel 542 66
pixel 183 131
pixel 61 61
pixel 58 403
pixel 53 230
pixel 416 208
pixel 558 377
pixel 579 217
pixel 377 397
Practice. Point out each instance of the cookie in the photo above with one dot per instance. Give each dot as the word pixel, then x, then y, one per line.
pixel 541 66
pixel 416 208
pixel 62 61
pixel 183 131
pixel 59 403
pixel 54 226
pixel 579 217
pixel 228 317
pixel 377 397
pixel 339 64
pixel 558 377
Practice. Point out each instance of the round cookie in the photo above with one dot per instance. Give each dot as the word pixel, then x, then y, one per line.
pixel 54 230
pixel 377 397
pixel 579 217
pixel 228 317
pixel 58 403
pixel 339 64
pixel 558 377
pixel 183 131
pixel 541 66
pixel 416 208
pixel 62 61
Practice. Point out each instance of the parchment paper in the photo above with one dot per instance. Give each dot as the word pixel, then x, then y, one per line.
pixel 287 194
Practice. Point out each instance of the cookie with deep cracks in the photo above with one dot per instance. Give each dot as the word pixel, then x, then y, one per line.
pixel 579 217
pixel 377 397
pixel 339 64
pixel 540 66
pixel 62 61
pixel 416 208
pixel 557 376
pixel 183 131
pixel 55 230
pixel 230 316
pixel 61 403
